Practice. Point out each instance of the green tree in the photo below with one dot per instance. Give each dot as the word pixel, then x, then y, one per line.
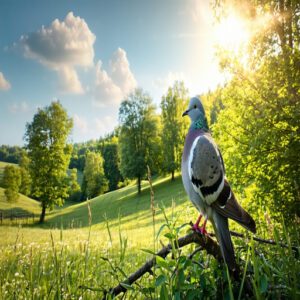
pixel 258 128
pixel 74 187
pixel 11 183
pixel 94 180
pixel 49 153
pixel 139 137
pixel 174 127
pixel 25 188
pixel 111 162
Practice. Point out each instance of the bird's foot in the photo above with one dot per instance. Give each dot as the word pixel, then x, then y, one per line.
pixel 196 228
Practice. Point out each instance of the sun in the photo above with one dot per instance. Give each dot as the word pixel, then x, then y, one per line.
pixel 231 33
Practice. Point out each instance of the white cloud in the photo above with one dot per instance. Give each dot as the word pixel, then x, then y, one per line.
pixel 80 124
pixel 4 83
pixel 62 46
pixel 69 82
pixel 112 86
pixel 19 107
pixel 121 73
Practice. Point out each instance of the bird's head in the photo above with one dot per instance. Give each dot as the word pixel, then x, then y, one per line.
pixel 197 114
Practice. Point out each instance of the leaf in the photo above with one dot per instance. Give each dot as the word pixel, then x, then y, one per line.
pixel 160 280
pixel 169 235
pixel 127 286
pixel 148 251
pixel 164 292
pixel 161 262
pixel 263 283
pixel 160 230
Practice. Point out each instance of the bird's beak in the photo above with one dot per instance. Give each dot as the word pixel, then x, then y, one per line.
pixel 185 113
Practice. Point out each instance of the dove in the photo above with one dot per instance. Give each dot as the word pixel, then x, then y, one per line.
pixel 203 176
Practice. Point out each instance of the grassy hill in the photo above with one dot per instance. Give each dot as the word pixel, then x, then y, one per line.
pixel 22 205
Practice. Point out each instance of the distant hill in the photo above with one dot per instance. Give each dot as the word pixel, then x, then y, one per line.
pixel 22 205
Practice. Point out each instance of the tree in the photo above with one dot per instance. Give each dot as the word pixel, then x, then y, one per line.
pixel 25 188
pixel 49 153
pixel 74 187
pixel 94 180
pixel 111 162
pixel 11 182
pixel 174 127
pixel 139 136
pixel 258 128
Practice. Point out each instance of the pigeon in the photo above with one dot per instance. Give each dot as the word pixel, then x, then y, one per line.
pixel 203 176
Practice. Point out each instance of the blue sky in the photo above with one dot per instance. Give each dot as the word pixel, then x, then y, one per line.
pixel 91 54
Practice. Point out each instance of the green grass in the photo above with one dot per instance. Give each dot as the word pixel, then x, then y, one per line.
pixel 75 255
pixel 22 205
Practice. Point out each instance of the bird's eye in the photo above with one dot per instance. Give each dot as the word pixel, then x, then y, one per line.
pixel 195 106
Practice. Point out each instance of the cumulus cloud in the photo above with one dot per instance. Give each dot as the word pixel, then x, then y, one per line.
pixel 113 85
pixel 4 83
pixel 80 124
pixel 19 107
pixel 62 46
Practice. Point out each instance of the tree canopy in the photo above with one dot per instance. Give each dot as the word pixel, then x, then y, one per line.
pixel 49 153
pixel 139 140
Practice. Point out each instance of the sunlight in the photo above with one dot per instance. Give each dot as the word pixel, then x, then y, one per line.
pixel 231 33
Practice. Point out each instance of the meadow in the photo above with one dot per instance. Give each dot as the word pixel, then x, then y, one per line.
pixel 85 249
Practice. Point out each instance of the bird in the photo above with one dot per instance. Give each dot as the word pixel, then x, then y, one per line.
pixel 204 180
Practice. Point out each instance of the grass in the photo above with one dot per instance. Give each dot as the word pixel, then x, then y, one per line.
pixel 77 254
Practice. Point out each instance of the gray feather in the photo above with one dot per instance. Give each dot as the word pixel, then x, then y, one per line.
pixel 221 228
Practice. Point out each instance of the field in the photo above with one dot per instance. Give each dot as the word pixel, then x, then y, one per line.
pixel 84 249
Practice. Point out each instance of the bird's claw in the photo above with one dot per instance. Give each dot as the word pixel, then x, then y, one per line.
pixel 198 229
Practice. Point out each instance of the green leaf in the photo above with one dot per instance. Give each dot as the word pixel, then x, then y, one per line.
pixel 127 286
pixel 148 251
pixel 160 230
pixel 161 262
pixel 160 280
pixel 169 235
pixel 164 292
pixel 263 283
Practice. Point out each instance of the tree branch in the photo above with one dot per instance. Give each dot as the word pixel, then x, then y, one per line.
pixel 206 242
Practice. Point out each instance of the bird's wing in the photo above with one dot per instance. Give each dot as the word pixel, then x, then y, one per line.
pixel 207 175
pixel 206 169
pixel 227 206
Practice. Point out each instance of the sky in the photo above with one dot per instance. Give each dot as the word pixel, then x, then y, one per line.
pixel 90 54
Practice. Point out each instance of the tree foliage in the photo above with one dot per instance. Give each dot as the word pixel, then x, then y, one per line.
pixel 109 150
pixel 11 183
pixel 74 187
pixel 258 128
pixel 49 152
pixel 174 127
pixel 25 188
pixel 139 138
pixel 94 180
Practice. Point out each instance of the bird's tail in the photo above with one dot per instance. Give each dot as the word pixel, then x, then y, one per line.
pixel 220 224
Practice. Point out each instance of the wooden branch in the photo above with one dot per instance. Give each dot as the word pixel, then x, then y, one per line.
pixel 206 242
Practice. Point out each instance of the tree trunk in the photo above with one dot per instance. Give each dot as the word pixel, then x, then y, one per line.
pixel 139 184
pixel 42 217
pixel 173 177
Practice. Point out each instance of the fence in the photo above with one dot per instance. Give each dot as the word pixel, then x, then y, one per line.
pixel 13 217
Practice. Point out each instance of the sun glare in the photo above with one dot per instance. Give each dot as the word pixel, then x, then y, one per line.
pixel 231 33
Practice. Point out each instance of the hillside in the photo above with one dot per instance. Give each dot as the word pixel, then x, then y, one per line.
pixel 23 205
